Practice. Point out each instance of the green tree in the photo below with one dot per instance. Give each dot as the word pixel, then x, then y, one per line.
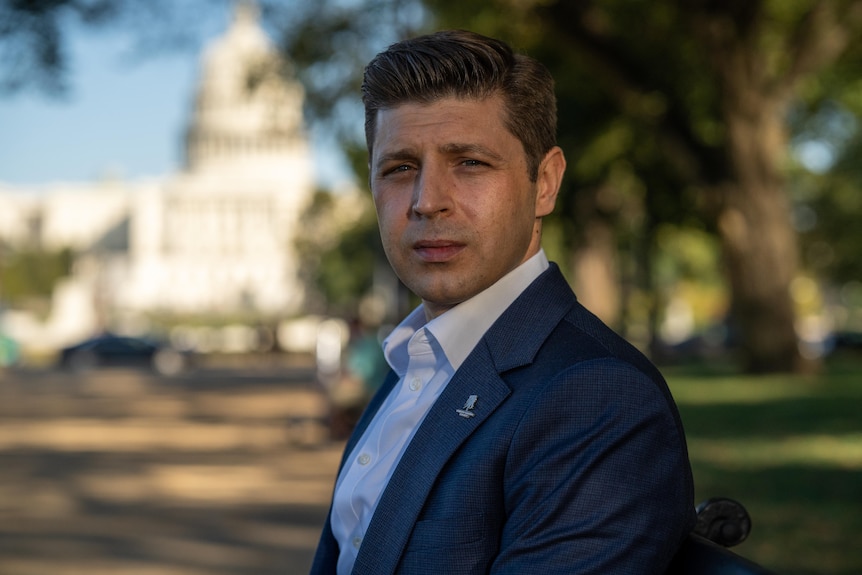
pixel 686 104
pixel 34 35
pixel 825 185
pixel 28 274
pixel 671 111
pixel 339 255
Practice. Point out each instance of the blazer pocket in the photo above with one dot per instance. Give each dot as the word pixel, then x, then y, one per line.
pixel 457 531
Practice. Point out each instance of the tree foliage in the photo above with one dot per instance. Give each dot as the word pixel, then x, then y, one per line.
pixel 678 112
pixel 674 114
pixel 29 273
pixel 338 262
pixel 35 35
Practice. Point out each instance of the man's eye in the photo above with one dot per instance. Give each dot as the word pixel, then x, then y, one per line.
pixel 397 169
pixel 473 163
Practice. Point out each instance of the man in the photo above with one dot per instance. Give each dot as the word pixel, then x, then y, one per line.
pixel 515 433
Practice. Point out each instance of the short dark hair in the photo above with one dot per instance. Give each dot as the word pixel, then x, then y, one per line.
pixel 462 64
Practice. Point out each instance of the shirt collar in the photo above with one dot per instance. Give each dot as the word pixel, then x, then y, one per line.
pixel 459 329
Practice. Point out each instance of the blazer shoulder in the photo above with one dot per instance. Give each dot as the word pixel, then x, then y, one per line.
pixel 547 321
pixel 517 335
pixel 589 327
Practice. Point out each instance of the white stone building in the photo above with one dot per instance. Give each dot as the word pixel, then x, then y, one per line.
pixel 214 240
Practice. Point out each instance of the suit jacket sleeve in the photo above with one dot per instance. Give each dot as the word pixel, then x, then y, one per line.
pixel 597 479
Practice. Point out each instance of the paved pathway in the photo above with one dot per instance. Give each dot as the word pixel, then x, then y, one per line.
pixel 122 473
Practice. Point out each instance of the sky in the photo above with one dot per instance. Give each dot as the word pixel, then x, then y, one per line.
pixel 122 118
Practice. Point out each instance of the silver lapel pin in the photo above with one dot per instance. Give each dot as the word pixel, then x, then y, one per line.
pixel 469 406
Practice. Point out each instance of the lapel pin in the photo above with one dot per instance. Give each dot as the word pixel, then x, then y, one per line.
pixel 469 406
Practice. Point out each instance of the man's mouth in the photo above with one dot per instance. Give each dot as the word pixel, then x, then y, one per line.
pixel 437 251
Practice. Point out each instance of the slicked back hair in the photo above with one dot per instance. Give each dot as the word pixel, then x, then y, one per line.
pixel 465 65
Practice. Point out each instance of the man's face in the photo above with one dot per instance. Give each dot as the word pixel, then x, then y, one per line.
pixel 456 208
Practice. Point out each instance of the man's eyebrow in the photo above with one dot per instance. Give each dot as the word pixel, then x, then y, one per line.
pixel 458 148
pixel 395 156
pixel 451 149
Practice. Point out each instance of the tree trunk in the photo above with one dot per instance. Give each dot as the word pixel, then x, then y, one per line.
pixel 596 278
pixel 753 216
pixel 759 242
pixel 595 260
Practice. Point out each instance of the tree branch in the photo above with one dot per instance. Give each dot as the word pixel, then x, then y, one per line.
pixel 629 83
pixel 819 40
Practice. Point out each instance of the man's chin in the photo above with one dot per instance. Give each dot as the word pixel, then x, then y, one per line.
pixel 439 301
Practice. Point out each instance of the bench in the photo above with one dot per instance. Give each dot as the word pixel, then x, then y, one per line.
pixel 721 523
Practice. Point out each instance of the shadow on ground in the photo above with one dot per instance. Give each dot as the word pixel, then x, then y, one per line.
pixel 123 473
pixel 791 451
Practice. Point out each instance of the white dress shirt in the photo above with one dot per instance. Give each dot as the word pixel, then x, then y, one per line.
pixel 425 356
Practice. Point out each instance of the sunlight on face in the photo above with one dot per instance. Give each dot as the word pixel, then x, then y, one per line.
pixel 456 208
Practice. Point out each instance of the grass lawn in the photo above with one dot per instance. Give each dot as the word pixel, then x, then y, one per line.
pixel 790 449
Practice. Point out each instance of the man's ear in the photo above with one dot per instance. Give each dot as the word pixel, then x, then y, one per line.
pixel 548 181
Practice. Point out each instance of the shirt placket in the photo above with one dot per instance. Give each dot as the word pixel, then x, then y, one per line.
pixel 376 457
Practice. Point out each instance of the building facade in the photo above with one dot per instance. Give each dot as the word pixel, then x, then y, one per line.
pixel 215 239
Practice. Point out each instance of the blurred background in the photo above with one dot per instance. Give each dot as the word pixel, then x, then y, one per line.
pixel 192 287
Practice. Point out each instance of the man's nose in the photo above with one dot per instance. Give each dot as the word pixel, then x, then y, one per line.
pixel 432 194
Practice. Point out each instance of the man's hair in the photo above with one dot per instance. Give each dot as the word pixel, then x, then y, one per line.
pixel 465 65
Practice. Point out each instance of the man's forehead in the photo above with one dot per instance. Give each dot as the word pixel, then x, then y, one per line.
pixel 459 114
pixel 453 97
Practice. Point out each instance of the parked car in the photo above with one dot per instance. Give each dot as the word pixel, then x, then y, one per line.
pixel 109 350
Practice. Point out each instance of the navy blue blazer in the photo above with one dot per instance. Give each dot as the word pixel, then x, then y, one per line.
pixel 575 461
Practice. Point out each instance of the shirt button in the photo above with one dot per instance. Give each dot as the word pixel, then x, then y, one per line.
pixel 357 541
pixel 415 384
pixel 364 459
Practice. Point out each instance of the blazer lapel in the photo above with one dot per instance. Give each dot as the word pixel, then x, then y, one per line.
pixel 440 434
pixel 511 342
